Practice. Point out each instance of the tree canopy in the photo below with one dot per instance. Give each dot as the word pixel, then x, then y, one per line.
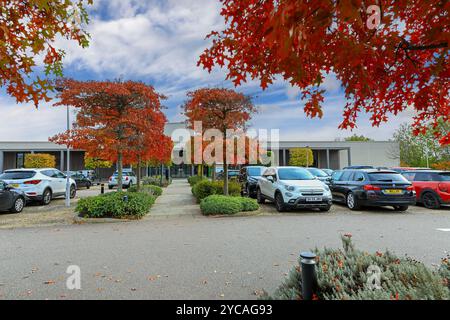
pixel 28 30
pixel 116 121
pixel 401 63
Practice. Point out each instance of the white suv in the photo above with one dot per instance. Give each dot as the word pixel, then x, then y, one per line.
pixel 41 185
pixel 293 187
pixel 128 179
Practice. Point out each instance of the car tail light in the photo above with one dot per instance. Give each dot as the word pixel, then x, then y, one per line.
pixel 126 179
pixel 370 187
pixel 410 188
pixel 110 179
pixel 33 182
pixel 443 187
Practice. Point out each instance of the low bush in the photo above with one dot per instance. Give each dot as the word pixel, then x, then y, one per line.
pixel 112 205
pixel 155 181
pixel 195 179
pixel 149 189
pixel 345 275
pixel 222 205
pixel 249 205
pixel 207 188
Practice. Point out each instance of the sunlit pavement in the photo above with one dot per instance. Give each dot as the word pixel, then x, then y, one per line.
pixel 194 257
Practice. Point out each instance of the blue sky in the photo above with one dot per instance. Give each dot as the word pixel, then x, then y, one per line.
pixel 159 42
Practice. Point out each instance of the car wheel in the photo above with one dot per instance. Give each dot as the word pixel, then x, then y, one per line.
pixel 18 205
pixel 401 208
pixel 88 186
pixel 259 197
pixel 352 202
pixel 279 203
pixel 326 209
pixel 46 197
pixel 430 201
pixel 73 191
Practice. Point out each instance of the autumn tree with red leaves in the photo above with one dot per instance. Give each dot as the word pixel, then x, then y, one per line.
pixel 402 63
pixel 116 121
pixel 28 30
pixel 221 109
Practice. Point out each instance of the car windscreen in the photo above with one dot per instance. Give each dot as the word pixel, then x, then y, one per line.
pixel 387 177
pixel 233 173
pixel 445 176
pixel 254 172
pixel 318 173
pixel 295 174
pixel 17 175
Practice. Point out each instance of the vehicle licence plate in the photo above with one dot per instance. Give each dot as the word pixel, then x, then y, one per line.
pixel 15 186
pixel 314 199
pixel 393 191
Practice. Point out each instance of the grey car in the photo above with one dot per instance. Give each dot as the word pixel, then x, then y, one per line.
pixel 11 199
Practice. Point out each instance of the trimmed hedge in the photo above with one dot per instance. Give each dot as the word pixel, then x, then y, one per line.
pixel 112 205
pixel 155 181
pixel 149 189
pixel 206 188
pixel 344 275
pixel 222 205
pixel 195 179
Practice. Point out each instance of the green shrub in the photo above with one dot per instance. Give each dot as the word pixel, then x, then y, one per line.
pixel 203 189
pixel 249 204
pixel 195 179
pixel 149 189
pixel 206 188
pixel 343 275
pixel 155 181
pixel 222 205
pixel 112 205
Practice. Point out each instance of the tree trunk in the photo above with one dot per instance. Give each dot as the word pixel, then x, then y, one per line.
pixel 138 176
pixel 120 172
pixel 225 177
pixel 162 175
pixel 214 172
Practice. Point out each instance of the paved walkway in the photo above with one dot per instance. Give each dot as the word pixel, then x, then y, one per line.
pixel 177 200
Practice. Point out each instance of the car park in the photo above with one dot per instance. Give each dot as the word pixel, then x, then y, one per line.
pixel 81 180
pixel 41 185
pixel 128 179
pixel 320 175
pixel 292 188
pixel 248 177
pixel 11 199
pixel 432 187
pixel 375 188
pixel 232 174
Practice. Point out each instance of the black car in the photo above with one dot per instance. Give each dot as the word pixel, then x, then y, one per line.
pixel 248 177
pixel 371 187
pixel 11 199
pixel 81 180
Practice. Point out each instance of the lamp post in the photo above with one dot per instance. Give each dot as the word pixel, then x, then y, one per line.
pixel 59 89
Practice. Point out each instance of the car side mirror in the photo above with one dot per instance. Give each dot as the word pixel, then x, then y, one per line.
pixel 271 179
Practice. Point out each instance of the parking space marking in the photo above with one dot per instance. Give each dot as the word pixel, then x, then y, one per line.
pixel 443 230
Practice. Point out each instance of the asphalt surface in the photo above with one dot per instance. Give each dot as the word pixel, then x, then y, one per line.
pixel 195 257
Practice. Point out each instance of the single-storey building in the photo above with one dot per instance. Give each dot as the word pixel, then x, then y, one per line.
pixel 327 154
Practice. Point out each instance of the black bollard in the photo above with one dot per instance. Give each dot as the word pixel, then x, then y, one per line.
pixel 102 188
pixel 309 278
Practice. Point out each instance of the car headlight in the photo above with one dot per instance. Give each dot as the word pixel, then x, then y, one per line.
pixel 327 188
pixel 290 188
